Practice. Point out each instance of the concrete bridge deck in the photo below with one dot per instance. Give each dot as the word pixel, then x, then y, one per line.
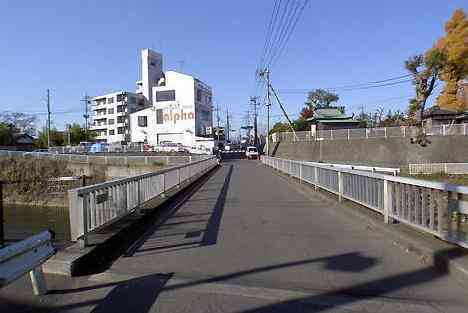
pixel 248 241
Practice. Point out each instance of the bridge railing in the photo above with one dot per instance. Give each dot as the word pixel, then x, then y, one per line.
pixel 96 206
pixel 437 208
pixel 366 133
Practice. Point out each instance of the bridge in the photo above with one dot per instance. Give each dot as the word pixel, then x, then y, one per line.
pixel 248 238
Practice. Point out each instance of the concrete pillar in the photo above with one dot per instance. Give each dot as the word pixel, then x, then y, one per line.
pixel 340 187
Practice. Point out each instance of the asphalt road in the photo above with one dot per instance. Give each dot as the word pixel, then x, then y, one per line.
pixel 248 241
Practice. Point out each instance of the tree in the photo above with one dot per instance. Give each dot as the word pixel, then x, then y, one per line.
pixel 24 123
pixel 455 46
pixel 57 138
pixel 6 134
pixel 425 70
pixel 78 134
pixel 280 127
pixel 320 98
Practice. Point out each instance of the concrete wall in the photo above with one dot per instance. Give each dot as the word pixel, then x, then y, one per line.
pixel 398 152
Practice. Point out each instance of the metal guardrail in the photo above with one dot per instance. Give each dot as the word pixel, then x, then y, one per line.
pixel 366 133
pixel 374 169
pixel 27 256
pixel 108 160
pixel 437 168
pixel 96 206
pixel 436 208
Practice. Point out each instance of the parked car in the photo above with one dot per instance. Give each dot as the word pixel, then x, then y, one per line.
pixel 170 147
pixel 251 153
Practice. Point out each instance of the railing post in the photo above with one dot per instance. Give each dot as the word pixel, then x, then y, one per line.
pixel 443 215
pixel 340 186
pixel 300 172
pixel 331 133
pixel 78 217
pixel 404 131
pixel 367 133
pixel 443 130
pixel 385 132
pixel 315 178
pixel 348 133
pixel 464 129
pixel 386 202
pixel 38 281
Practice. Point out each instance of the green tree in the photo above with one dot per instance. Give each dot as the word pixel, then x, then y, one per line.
pixel 57 138
pixel 78 134
pixel 280 127
pixel 6 134
pixel 320 98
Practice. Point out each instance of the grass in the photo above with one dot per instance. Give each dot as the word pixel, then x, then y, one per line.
pixel 441 177
pixel 27 178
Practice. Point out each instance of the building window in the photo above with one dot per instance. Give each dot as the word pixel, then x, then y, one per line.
pixel 120 108
pixel 167 95
pixel 199 94
pixel 159 116
pixel 120 97
pixel 120 119
pixel 110 121
pixel 110 100
pixel 142 121
pixel 110 111
pixel 111 132
pixel 120 130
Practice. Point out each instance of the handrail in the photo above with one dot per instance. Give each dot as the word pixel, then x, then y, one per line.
pixel 96 206
pixel 437 208
pixel 25 256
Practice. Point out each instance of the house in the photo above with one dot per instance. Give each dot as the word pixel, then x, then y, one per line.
pixel 435 116
pixel 332 118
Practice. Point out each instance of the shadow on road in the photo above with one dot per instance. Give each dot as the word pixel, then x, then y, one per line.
pixel 140 294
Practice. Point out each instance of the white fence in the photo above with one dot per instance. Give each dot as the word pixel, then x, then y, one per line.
pixel 109 160
pixel 26 256
pixel 388 170
pixel 366 133
pixel 436 168
pixel 436 208
pixel 96 206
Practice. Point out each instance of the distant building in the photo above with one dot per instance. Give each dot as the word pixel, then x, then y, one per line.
pixel 167 106
pixel 111 115
pixel 181 111
pixel 435 116
pixel 331 118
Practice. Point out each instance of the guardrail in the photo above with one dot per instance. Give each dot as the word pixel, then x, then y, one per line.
pixel 374 169
pixel 27 256
pixel 366 133
pixel 108 160
pixel 97 206
pixel 437 168
pixel 436 208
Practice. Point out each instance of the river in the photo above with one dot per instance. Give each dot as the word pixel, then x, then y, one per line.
pixel 22 221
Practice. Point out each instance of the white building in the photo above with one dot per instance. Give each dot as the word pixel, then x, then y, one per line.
pixel 181 111
pixel 111 115
pixel 168 106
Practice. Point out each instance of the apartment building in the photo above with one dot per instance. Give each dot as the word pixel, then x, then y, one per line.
pixel 111 115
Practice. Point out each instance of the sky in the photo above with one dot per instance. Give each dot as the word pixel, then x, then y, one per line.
pixel 88 47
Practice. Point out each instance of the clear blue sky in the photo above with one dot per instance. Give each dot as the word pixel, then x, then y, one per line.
pixel 73 47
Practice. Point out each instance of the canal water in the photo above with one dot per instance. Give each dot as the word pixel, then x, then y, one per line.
pixel 22 221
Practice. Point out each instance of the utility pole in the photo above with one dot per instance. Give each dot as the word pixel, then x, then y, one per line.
pixel 48 118
pixel 217 119
pixel 227 125
pixel 253 101
pixel 86 115
pixel 266 74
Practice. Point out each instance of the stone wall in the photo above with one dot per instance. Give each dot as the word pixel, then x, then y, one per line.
pixel 395 152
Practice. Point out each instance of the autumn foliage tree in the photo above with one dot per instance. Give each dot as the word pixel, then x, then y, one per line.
pixel 455 46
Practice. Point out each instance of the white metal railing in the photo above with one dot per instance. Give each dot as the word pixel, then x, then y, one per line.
pixel 366 133
pixel 437 208
pixel 375 169
pixel 25 256
pixel 437 168
pixel 93 207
